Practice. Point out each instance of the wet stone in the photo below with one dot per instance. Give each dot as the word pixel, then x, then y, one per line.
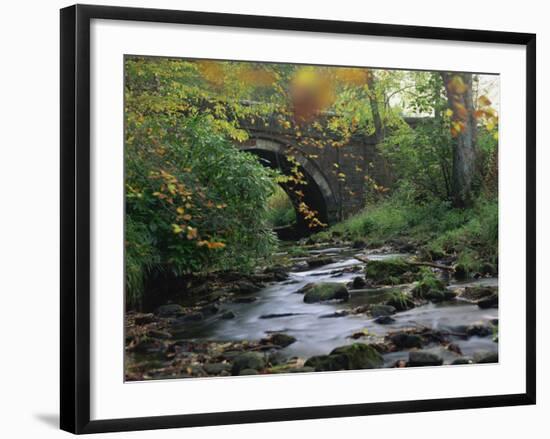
pixel 384 320
pixel 423 358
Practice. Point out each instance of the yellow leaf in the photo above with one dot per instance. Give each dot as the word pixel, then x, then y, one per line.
pixel 484 100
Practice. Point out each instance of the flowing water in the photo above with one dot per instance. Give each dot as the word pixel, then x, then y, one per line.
pixel 278 308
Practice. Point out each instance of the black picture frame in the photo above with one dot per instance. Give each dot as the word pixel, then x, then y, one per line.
pixel 75 217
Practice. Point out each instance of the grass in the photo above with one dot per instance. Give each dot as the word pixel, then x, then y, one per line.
pixel 468 236
pixel 399 300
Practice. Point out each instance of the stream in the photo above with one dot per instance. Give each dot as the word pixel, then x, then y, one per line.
pixel 278 308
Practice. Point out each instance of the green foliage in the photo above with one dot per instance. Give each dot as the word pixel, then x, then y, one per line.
pixel 403 215
pixel 475 241
pixel 438 230
pixel 422 155
pixel 399 300
pixel 281 212
pixel 193 202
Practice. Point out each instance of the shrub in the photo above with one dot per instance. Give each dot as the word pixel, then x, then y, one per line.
pixel 193 200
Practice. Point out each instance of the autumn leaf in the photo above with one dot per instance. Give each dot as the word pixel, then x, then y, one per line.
pixel 484 101
pixel 214 245
pixel 192 232
pixel 461 112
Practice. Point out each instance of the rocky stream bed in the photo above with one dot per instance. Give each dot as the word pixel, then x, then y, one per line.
pixel 332 308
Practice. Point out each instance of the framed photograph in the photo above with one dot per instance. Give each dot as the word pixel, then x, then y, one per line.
pixel 272 218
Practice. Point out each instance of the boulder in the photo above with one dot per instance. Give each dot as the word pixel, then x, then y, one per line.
pixel 358 283
pixel 488 302
pixel 479 329
pixel 278 273
pixel 486 357
pixel 440 296
pixel 323 292
pixel 382 310
pixel 431 288
pixel 335 314
pixel 319 261
pixel 349 357
pixel 227 315
pixel 423 358
pixel 280 315
pixel 246 287
pixel 248 360
pixel 477 293
pixel 279 339
pixel 402 340
pixel 384 320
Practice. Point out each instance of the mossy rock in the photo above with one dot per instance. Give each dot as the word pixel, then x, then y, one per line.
pixel 279 339
pixel 478 292
pixel 382 310
pixel 319 261
pixel 390 271
pixel 349 357
pixel 216 368
pixel 248 360
pixel 428 284
pixel 323 292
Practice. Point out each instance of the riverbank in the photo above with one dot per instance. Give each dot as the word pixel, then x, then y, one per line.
pixel 325 306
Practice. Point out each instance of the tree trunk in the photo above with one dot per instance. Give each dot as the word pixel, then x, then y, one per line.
pixel 378 126
pixel 458 87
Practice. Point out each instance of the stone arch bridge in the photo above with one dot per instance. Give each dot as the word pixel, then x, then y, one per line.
pixel 331 196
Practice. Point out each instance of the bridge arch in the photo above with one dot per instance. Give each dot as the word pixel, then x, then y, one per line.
pixel 318 193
